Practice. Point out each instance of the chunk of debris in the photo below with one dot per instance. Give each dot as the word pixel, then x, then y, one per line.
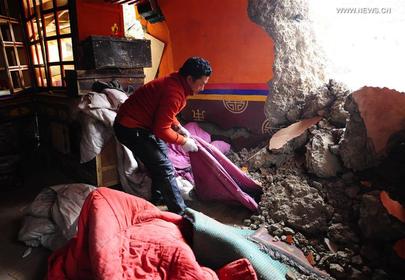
pixel 366 136
pixel 319 160
pixel 371 210
pixel 337 114
pixel 291 199
pixel 342 234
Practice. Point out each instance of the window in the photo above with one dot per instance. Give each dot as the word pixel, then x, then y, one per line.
pixel 363 40
pixel 49 40
pixel 14 70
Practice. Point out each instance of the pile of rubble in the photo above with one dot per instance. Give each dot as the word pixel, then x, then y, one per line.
pixel 316 197
pixel 320 172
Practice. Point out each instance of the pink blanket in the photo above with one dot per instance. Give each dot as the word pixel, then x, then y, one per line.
pixel 217 178
pixel 181 159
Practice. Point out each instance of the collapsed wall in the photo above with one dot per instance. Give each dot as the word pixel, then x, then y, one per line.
pixel 297 89
pixel 312 190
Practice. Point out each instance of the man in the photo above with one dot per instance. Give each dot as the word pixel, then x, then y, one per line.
pixel 147 119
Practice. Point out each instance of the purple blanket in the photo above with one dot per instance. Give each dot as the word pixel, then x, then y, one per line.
pixel 217 178
pixel 181 159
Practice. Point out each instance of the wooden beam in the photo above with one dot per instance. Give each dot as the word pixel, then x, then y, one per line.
pixel 129 2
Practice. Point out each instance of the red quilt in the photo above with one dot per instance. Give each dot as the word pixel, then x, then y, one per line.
pixel 121 236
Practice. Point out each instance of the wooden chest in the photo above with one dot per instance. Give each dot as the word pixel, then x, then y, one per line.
pixel 80 82
pixel 105 52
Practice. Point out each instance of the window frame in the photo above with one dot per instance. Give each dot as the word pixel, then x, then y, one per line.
pixel 14 70
pixel 40 42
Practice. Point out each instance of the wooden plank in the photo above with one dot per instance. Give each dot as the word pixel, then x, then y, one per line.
pixel 106 165
pixel 80 82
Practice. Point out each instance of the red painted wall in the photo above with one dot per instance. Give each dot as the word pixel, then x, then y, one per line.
pixel 239 50
pixel 95 17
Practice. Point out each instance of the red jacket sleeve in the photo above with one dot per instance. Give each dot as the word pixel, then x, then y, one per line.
pixel 171 102
pixel 175 121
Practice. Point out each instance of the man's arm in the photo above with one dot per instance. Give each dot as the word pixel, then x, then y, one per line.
pixel 176 123
pixel 165 117
pixel 181 129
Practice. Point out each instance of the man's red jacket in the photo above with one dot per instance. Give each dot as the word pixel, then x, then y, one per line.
pixel 155 105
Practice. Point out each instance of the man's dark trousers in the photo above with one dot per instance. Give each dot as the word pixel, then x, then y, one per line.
pixel 152 151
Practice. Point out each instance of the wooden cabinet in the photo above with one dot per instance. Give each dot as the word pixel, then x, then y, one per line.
pixel 106 165
pixel 80 82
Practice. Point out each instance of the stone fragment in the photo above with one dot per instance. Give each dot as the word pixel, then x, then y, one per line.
pixel 371 210
pixel 337 270
pixel 319 160
pixel 342 234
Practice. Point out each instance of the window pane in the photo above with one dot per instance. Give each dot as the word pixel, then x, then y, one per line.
pixel 18 35
pixel 26 78
pixel 38 48
pixel 64 22
pixel 53 51
pixel 50 27
pixel 60 3
pixel 16 79
pixel 55 76
pixel 40 77
pixel 4 91
pixel 34 55
pixel 22 56
pixel 3 80
pixel 47 4
pixel 66 67
pixel 67 51
pixel 11 56
pixel 37 54
pixel 5 31
pixel 2 62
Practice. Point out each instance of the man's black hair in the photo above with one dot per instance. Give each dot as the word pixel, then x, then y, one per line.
pixel 196 67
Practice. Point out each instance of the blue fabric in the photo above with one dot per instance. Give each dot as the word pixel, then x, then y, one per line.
pixel 216 244
pixel 236 91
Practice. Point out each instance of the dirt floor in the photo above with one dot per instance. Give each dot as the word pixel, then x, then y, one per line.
pixel 12 205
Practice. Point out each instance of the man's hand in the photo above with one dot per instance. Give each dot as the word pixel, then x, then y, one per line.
pixel 181 130
pixel 190 145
